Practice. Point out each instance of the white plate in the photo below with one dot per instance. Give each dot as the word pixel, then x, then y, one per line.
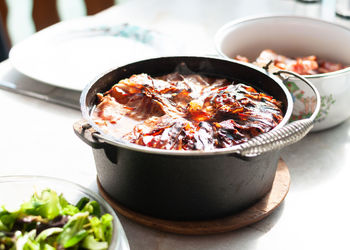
pixel 72 53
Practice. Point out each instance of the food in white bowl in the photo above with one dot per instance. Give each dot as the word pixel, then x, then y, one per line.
pixel 49 213
pixel 307 65
pixel 294 36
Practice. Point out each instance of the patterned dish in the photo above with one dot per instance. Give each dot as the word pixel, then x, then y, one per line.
pixel 297 36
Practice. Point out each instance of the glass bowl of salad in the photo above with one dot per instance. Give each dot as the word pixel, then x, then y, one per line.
pixel 38 212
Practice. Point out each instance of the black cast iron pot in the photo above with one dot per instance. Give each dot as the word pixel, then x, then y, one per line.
pixel 189 185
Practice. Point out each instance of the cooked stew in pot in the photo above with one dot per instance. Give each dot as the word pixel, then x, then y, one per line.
pixel 309 65
pixel 185 112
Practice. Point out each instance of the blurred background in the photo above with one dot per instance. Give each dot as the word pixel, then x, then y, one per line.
pixel 17 14
pixel 22 18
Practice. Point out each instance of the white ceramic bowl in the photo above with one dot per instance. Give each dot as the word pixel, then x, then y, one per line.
pixel 296 36
pixel 14 190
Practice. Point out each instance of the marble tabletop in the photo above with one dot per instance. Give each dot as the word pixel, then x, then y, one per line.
pixel 37 139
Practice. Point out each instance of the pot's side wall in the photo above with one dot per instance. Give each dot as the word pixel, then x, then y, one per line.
pixel 184 188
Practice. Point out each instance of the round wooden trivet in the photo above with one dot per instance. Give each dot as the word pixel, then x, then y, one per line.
pixel 253 214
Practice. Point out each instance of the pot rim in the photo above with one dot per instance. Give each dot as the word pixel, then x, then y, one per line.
pixel 135 147
pixel 222 31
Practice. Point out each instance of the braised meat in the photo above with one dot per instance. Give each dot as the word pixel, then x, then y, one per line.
pixel 185 112
pixel 309 65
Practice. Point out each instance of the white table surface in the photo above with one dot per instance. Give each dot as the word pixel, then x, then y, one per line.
pixel 37 139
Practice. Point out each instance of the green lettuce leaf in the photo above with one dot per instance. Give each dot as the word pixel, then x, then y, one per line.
pixel 82 202
pixel 93 208
pixel 107 226
pixel 73 232
pixel 45 204
pixel 47 233
pixel 91 243
pixel 48 247
pixel 7 219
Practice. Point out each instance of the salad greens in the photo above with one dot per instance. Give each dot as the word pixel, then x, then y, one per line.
pixel 48 221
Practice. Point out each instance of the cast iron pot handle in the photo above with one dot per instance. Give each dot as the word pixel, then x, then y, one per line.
pixel 86 133
pixel 286 135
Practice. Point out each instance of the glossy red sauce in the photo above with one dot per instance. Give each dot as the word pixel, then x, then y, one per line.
pixel 309 65
pixel 185 112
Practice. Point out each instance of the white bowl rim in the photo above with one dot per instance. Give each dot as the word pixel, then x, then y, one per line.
pixel 219 34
